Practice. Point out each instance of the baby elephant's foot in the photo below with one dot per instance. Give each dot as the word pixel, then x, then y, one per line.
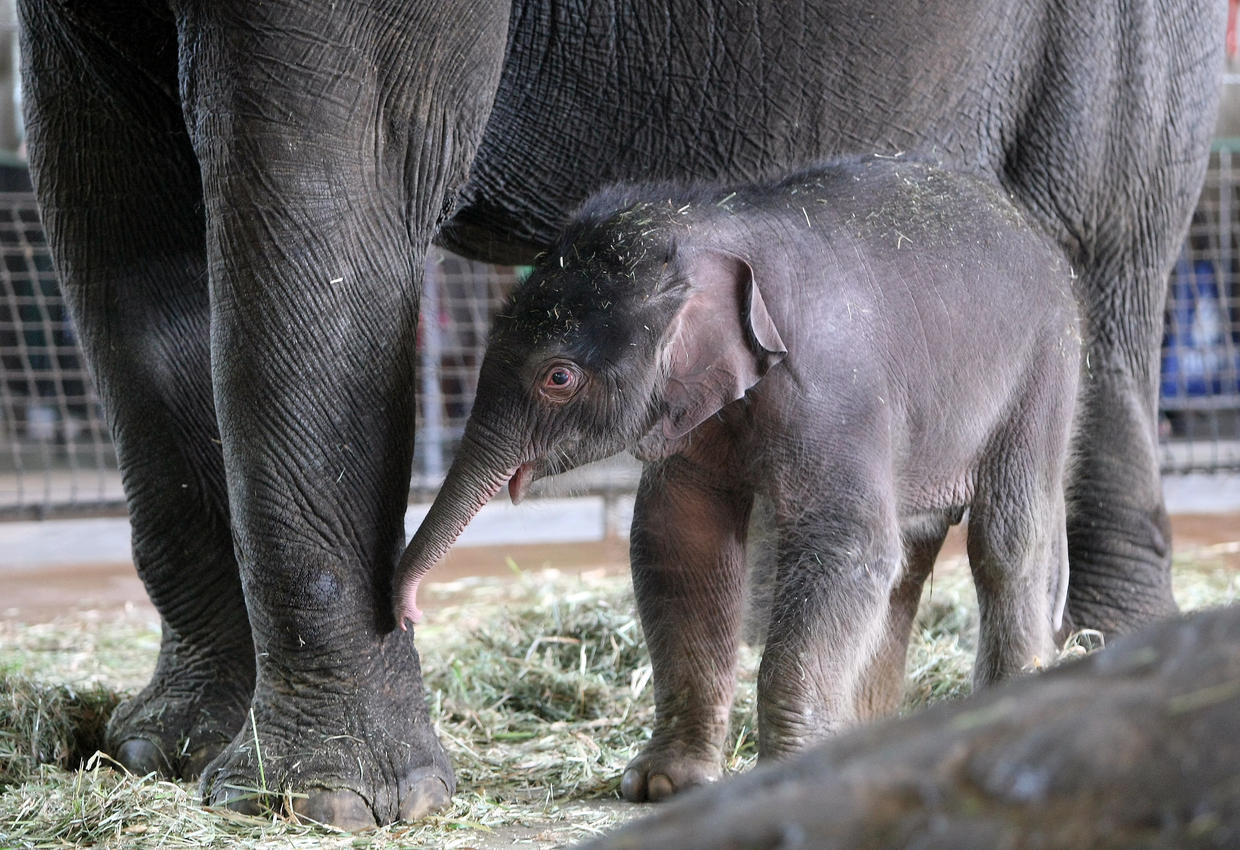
pixel 183 718
pixel 662 771
pixel 789 725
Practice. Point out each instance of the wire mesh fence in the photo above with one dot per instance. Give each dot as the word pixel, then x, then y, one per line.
pixel 55 453
pixel 459 297
pixel 56 458
pixel 1200 385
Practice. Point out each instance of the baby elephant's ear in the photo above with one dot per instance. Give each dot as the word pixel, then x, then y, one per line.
pixel 720 344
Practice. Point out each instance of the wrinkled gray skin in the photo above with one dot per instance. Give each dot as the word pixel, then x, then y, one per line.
pixel 239 197
pixel 876 346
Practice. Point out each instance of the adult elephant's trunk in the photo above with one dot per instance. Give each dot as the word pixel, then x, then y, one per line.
pixel 474 477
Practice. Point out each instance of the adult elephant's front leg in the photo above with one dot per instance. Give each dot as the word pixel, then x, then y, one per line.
pixel 324 168
pixel 121 197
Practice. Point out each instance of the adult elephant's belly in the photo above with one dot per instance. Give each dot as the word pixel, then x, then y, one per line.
pixel 602 95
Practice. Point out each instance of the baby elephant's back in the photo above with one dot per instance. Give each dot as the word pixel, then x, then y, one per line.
pixel 935 286
pixel 999 286
pixel 939 242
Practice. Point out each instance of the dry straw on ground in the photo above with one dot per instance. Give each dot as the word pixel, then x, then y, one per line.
pixel 541 698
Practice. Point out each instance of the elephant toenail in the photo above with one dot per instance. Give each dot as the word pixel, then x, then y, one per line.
pixel 141 756
pixel 633 786
pixel 340 808
pixel 426 795
pixel 235 800
pixel 659 787
pixel 193 765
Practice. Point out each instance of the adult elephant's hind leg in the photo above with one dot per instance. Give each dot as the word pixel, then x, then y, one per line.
pixel 1119 535
pixel 323 180
pixel 1118 531
pixel 120 193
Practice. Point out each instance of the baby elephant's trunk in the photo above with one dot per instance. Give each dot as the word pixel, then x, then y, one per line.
pixel 471 482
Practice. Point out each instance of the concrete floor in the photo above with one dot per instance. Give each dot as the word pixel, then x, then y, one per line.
pixel 49 566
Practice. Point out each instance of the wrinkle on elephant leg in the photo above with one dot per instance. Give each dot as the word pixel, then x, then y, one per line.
pixel 120 193
pixel 322 183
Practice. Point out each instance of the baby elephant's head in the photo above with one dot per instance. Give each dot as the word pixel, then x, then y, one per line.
pixel 599 350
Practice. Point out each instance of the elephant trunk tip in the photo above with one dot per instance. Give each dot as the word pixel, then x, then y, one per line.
pixel 457 502
pixel 406 611
pixel 408 578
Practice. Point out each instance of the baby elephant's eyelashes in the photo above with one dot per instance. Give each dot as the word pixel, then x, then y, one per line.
pixel 560 381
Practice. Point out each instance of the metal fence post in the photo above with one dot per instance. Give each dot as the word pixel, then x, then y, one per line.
pixel 431 435
pixel 1224 213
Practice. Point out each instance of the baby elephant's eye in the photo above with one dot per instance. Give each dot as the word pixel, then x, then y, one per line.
pixel 560 381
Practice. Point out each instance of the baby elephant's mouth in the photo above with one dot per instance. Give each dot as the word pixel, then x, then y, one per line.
pixel 519 484
pixel 566 457
pixel 529 472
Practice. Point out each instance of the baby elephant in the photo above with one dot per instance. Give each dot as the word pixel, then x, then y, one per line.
pixel 876 345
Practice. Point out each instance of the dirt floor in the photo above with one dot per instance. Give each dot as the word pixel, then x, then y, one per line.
pixel 31 595
pixel 37 595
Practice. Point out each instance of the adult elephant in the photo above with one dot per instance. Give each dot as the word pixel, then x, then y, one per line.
pixel 239 196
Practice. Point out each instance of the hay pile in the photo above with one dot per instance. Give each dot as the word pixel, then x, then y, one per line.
pixel 540 687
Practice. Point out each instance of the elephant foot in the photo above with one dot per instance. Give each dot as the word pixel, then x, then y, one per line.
pixel 426 790
pixel 663 770
pixel 353 755
pixel 184 717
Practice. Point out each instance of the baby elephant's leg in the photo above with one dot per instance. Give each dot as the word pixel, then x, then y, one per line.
pixel 882 683
pixel 1018 552
pixel 688 561
pixel 837 572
